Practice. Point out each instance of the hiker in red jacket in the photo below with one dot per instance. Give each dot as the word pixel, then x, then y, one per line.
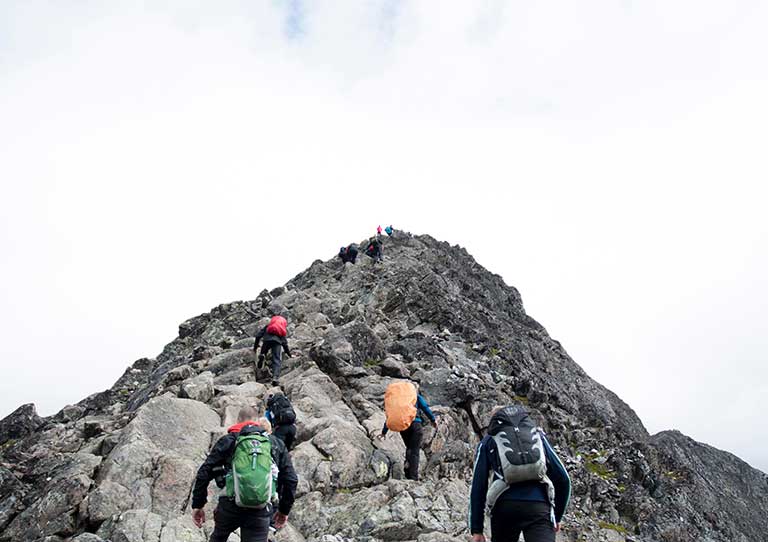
pixel 274 335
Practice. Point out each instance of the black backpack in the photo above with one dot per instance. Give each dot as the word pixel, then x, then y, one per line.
pixel 282 411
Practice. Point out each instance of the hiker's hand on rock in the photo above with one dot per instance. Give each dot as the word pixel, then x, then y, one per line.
pixel 478 538
pixel 557 527
pixel 280 520
pixel 198 516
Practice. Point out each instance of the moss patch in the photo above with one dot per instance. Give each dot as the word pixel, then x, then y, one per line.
pixel 613 527
pixel 596 467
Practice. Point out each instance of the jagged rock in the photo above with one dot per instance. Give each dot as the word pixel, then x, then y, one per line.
pixel 71 413
pixel 54 513
pixel 20 423
pixel 199 388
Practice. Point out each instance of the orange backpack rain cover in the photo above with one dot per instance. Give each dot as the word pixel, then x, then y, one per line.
pixel 278 326
pixel 400 405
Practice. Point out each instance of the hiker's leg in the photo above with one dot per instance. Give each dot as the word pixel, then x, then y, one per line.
pixel 412 441
pixel 277 349
pixel 255 525
pixel 537 522
pixel 505 523
pixel 414 450
pixel 226 519
pixel 286 433
pixel 265 348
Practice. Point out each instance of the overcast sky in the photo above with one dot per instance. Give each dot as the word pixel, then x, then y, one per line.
pixel 607 158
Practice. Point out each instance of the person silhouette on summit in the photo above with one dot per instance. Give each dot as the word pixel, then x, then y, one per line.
pixel 274 335
pixel 389 230
pixel 528 495
pixel 245 463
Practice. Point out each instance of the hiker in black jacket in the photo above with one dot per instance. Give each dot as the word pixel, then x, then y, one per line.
pixel 274 343
pixel 375 250
pixel 348 254
pixel 281 415
pixel 252 522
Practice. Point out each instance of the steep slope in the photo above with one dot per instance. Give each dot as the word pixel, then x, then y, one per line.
pixel 120 463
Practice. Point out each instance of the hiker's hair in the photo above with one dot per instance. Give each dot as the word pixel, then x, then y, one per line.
pixel 246 414
pixel 264 424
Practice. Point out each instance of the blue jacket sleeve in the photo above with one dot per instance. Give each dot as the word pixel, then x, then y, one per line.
pixel 422 404
pixel 479 488
pixel 559 476
pixel 268 416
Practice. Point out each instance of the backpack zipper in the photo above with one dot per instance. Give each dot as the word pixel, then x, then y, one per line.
pixel 519 444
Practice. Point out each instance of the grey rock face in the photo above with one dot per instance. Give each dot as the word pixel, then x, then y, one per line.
pixel 199 388
pixel 20 423
pixel 121 462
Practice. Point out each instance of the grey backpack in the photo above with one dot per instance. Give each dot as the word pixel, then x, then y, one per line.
pixel 520 448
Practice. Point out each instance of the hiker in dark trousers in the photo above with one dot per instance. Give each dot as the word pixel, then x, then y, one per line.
pixel 252 522
pixel 274 335
pixel 412 437
pixel 534 505
pixel 348 254
pixel 375 250
pixel 281 415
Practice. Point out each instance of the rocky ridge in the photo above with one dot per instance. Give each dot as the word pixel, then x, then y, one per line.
pixel 119 465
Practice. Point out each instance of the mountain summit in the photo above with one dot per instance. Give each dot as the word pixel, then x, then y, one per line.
pixel 119 465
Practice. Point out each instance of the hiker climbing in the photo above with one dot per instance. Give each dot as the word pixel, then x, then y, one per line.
pixel 374 249
pixel 389 230
pixel 378 232
pixel 257 472
pixel 530 493
pixel 348 254
pixel 281 415
pixel 405 410
pixel 274 335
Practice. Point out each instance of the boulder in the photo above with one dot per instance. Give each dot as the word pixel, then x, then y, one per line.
pixel 199 388
pixel 132 526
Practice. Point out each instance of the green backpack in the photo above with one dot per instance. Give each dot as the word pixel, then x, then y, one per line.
pixel 251 480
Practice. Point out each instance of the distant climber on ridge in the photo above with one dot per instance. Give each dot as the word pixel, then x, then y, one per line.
pixel 252 457
pixel 274 335
pixel 529 496
pixel 405 410
pixel 389 230
pixel 281 415
pixel 348 254
pixel 374 249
